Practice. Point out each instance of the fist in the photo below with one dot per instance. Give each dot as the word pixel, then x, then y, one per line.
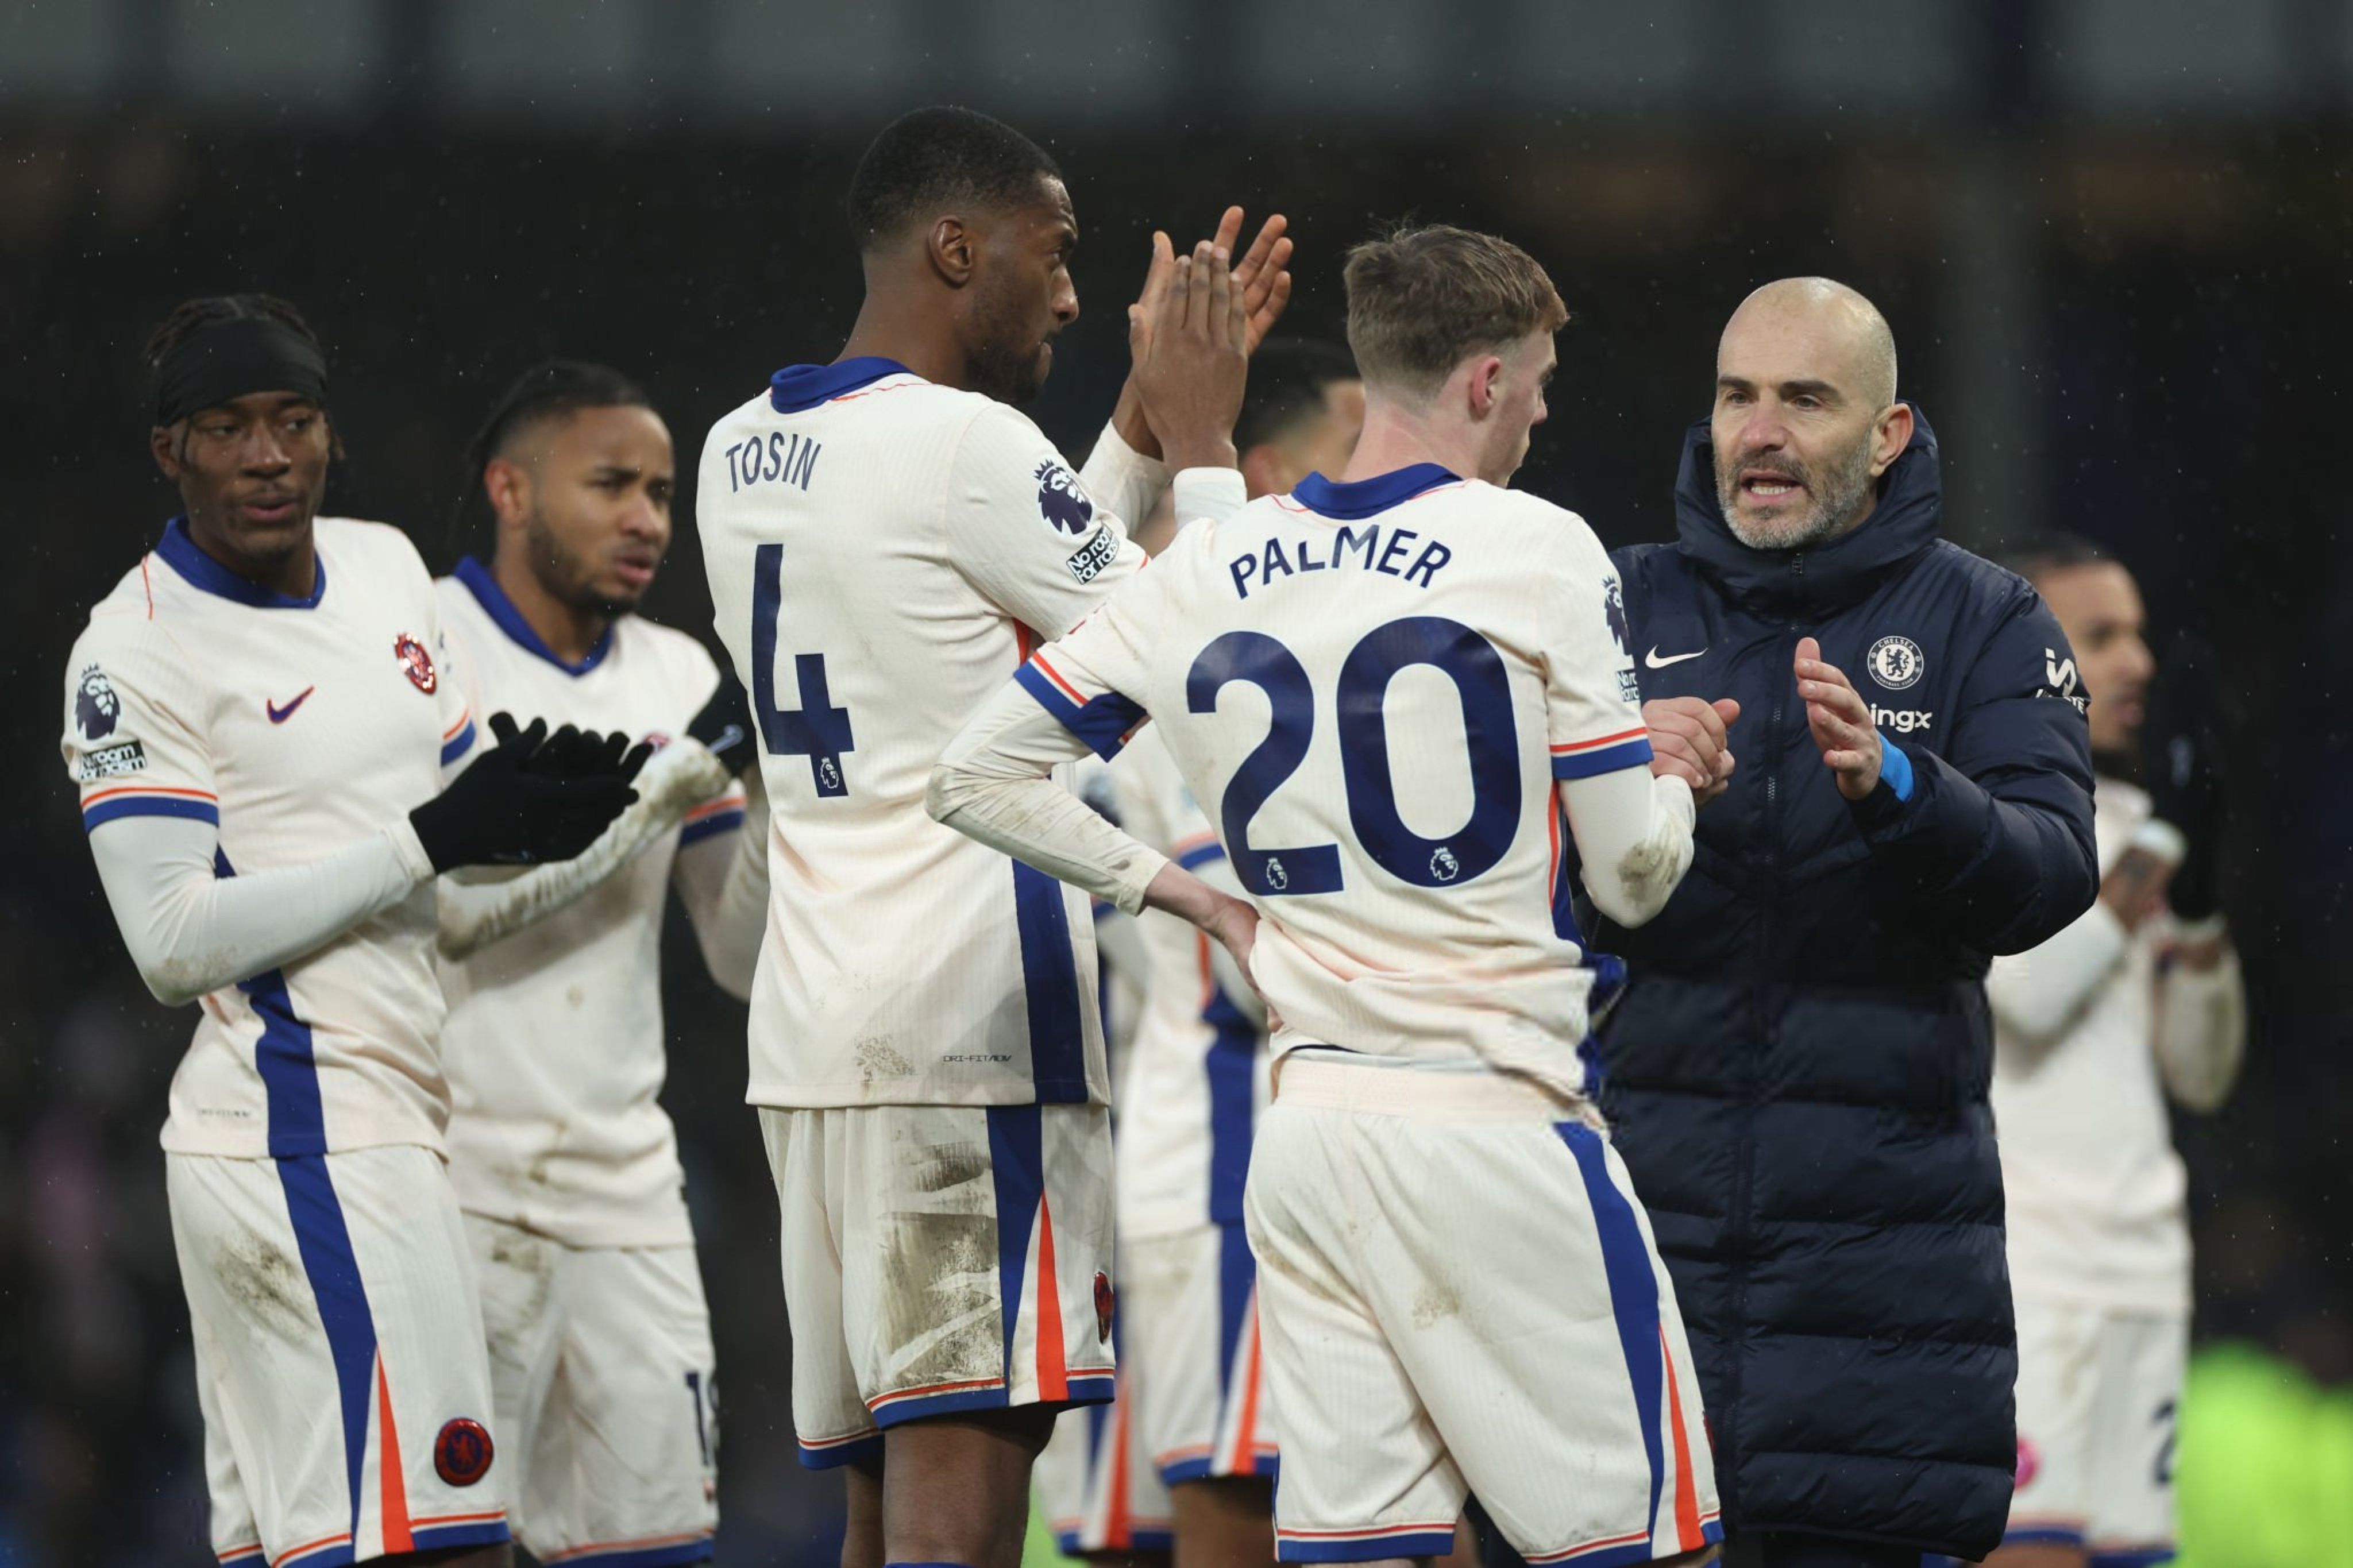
pixel 1690 738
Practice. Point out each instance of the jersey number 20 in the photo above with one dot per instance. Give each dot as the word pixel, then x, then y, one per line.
pixel 1480 680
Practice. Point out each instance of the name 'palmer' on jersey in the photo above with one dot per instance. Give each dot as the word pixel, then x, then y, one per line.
pixel 1509 625
pixel 883 553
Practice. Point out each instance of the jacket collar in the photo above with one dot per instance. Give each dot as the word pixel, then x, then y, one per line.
pixel 1831 576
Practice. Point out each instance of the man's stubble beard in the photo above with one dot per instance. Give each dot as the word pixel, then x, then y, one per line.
pixel 1838 503
pixel 565 578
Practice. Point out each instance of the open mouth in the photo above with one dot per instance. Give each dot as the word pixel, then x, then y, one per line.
pixel 1767 487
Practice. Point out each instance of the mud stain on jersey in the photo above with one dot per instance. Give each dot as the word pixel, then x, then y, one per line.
pixel 267 1285
pixel 1435 1301
pixel 876 1058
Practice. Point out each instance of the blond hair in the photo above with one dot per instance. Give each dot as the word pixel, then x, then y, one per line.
pixel 1422 300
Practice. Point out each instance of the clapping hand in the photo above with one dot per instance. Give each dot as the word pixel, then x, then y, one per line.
pixel 1840 721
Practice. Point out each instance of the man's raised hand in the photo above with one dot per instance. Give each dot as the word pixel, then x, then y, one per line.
pixel 1840 721
pixel 1261 276
pixel 1187 338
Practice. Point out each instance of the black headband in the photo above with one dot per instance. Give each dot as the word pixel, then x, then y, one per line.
pixel 224 359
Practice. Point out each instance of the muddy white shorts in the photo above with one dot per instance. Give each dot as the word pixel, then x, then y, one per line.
pixel 602 1377
pixel 1189 1302
pixel 2099 1393
pixel 1095 1486
pixel 339 1365
pixel 1458 1292
pixel 940 1258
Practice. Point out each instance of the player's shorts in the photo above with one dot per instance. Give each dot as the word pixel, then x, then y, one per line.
pixel 940 1259
pixel 2099 1392
pixel 1190 1305
pixel 601 1371
pixel 1458 1292
pixel 1095 1485
pixel 340 1366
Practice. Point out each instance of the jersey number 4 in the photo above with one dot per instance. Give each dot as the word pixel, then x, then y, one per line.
pixel 817 729
pixel 1481 682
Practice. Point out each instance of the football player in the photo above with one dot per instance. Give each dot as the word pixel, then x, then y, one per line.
pixel 1387 690
pixel 565 1165
pixel 887 537
pixel 261 717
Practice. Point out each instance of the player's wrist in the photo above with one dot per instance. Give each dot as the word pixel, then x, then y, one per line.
pixel 1202 453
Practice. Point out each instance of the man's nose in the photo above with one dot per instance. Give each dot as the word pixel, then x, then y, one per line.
pixel 1066 304
pixel 644 520
pixel 265 453
pixel 1764 432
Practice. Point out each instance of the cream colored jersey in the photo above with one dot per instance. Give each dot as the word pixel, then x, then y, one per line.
pixel 883 553
pixel 1376 684
pixel 553 1045
pixel 2095 1193
pixel 296 727
pixel 1195 1080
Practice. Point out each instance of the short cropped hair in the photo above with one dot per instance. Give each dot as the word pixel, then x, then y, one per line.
pixel 1422 300
pixel 2056 551
pixel 553 389
pixel 1288 378
pixel 933 160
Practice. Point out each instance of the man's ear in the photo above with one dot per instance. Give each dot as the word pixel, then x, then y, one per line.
pixel 508 484
pixel 1894 434
pixel 1264 473
pixel 166 450
pixel 952 250
pixel 1486 375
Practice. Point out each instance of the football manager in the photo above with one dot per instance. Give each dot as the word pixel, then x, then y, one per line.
pixel 1797 1070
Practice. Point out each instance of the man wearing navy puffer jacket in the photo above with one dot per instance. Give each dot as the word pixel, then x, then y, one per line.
pixel 1798 1072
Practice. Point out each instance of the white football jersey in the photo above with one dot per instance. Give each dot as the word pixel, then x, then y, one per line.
pixel 1376 684
pixel 2097 1195
pixel 298 726
pixel 1196 1077
pixel 884 551
pixel 553 1046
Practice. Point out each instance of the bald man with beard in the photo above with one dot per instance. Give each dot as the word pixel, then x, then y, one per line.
pixel 1798 1072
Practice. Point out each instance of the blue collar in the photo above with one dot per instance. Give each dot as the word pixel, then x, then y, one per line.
pixel 501 609
pixel 799 386
pixel 1363 498
pixel 188 559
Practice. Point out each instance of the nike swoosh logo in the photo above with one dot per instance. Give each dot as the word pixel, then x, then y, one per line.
pixel 1653 661
pixel 279 715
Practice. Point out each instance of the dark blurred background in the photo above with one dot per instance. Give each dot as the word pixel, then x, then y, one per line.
pixel 2113 237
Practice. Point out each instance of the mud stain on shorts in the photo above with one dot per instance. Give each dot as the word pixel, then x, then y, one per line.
pixel 267 1285
pixel 941 1318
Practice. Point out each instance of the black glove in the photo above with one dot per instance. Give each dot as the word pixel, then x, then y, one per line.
pixel 532 797
pixel 2181 764
pixel 724 725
